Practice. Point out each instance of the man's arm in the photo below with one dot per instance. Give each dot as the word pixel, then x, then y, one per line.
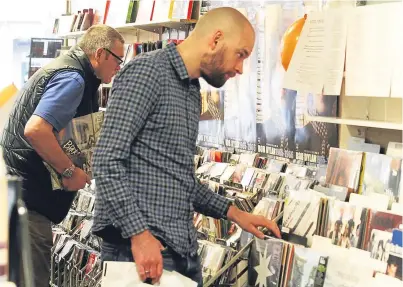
pixel 134 94
pixel 56 108
pixel 210 203
pixel 39 134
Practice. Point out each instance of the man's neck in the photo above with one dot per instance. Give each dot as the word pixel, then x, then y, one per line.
pixel 93 64
pixel 191 58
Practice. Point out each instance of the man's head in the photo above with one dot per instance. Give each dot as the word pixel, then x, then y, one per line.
pixel 222 39
pixel 104 47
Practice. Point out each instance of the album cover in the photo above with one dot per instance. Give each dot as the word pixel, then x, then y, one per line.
pixel 266 207
pixel 247 178
pixel 384 221
pixel 227 174
pixel 275 166
pixel 359 225
pixel 248 159
pixel 380 244
pixel 301 213
pixel 259 180
pixel 218 169
pixel 238 174
pixel 78 140
pixel 382 175
pixel 264 263
pixel 344 168
pixel 291 182
pixel 395 259
pixel 305 268
pixel 340 228
pixel 313 140
pixel 273 183
pixel 212 258
pixel 205 168
pixel 300 171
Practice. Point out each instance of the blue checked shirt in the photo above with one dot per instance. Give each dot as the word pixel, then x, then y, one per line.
pixel 143 164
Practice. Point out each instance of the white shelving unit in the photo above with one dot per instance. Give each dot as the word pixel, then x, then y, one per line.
pixel 356 122
pixel 378 120
pixel 153 27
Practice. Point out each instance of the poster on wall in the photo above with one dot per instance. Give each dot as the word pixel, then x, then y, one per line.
pixel 275 106
pixel 313 140
pixel 240 101
pixel 211 124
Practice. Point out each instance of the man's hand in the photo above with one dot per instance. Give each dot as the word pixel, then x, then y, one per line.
pixel 250 222
pixel 146 250
pixel 77 181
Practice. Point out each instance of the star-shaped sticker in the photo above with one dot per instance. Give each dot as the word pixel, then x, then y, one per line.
pixel 262 269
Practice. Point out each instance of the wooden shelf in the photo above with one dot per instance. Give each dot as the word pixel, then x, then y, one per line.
pixel 155 27
pixel 356 122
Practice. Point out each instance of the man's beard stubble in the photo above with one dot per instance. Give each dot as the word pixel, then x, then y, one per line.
pixel 211 69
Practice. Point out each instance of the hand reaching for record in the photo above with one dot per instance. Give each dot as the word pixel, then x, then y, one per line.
pixel 251 222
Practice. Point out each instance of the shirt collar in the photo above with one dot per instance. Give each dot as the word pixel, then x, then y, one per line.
pixel 177 61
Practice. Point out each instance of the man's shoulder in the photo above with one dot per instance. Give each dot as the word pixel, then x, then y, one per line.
pixel 67 77
pixel 154 56
pixel 153 60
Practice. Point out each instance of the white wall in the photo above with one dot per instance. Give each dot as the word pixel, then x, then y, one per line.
pixel 22 19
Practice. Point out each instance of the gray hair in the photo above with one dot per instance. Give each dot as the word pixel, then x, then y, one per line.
pixel 99 36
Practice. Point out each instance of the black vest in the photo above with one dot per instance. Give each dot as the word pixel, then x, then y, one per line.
pixel 21 159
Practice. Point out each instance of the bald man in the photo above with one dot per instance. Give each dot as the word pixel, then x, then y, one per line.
pixel 147 191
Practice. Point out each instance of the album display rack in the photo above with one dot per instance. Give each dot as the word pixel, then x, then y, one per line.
pixel 334 217
pixel 237 258
pixel 76 253
pixel 309 203
pixel 75 259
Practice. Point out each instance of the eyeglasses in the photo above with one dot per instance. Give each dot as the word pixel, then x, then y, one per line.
pixel 120 61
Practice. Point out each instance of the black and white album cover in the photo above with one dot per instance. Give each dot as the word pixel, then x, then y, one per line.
pixel 265 262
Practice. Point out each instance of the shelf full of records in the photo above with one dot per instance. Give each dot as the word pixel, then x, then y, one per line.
pixel 341 225
pixel 76 252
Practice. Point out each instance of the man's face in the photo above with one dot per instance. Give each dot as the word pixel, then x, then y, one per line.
pixel 109 62
pixel 225 57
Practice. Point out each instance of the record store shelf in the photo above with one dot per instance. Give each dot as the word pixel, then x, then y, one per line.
pixel 356 122
pixel 155 27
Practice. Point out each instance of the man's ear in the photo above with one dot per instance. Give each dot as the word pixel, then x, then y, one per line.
pixel 215 39
pixel 98 54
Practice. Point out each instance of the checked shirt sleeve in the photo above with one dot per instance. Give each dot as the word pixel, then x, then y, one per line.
pixel 210 203
pixel 134 94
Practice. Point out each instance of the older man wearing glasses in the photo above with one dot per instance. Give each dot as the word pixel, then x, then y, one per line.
pixel 52 97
